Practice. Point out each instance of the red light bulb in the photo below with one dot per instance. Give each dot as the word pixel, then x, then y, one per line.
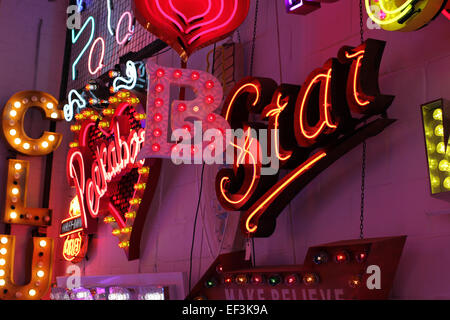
pixel 195 75
pixel 182 107
pixel 228 280
pixel 211 117
pixel 291 279
pixel 159 88
pixel 177 74
pixel 209 99
pixel 156 147
pixel 157 132
pixel 209 84
pixel 157 117
pixel 256 279
pixel 341 257
pixel 159 102
pixel 187 128
pixel 160 73
pixel 360 257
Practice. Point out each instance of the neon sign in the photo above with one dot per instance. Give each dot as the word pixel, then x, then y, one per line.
pixel 304 7
pixel 187 26
pixel 408 16
pixel 109 179
pixel 100 42
pixel 76 241
pixel 434 118
pixel 317 123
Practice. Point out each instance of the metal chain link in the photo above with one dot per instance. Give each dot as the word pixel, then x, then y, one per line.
pixel 363 178
pixel 363 169
pixel 254 38
pixel 361 20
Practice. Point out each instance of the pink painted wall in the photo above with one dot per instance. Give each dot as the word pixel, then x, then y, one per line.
pixel 415 68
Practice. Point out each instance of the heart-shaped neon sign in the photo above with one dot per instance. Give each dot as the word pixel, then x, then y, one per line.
pixel 109 180
pixel 188 25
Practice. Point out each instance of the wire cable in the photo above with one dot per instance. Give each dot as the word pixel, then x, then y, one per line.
pixel 195 225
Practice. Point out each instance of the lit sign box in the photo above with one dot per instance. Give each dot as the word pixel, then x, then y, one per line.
pixel 436 121
pixel 344 270
pixel 71 225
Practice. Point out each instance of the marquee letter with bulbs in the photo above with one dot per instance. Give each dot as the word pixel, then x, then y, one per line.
pixel 16 210
pixel 181 114
pixel 435 117
pixel 13 119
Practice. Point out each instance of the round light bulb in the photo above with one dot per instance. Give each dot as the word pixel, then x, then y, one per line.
pixel 51 138
pixel 4 240
pixel 2 262
pixel 439 130
pixel 2 282
pixel 447 183
pixel 13 215
pixel 44 144
pixel 17 104
pixel 13 132
pixel 54 115
pixel 32 292
pixel 3 251
pixel 17 141
pixel 437 114
pixel 435 182
pixel 2 272
pixel 26 146
pixel 440 148
pixel 15 191
pixel 13 113
pixel 40 274
pixel 17 166
pixel 433 164
pixel 444 165
pixel 43 243
pixel 50 105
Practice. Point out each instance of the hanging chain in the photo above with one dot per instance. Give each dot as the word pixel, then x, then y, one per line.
pixel 363 178
pixel 254 38
pixel 363 169
pixel 361 20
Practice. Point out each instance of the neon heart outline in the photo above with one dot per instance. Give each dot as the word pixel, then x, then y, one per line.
pixel 168 22
pixel 134 237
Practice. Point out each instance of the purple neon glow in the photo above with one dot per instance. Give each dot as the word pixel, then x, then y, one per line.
pixel 293 7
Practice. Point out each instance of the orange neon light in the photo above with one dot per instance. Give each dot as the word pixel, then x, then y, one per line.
pixel 276 113
pixel 360 55
pixel 258 96
pixel 326 106
pixel 244 150
pixel 292 176
pixel 72 247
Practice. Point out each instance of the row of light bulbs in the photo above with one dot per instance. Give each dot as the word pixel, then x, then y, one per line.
pixel 3 251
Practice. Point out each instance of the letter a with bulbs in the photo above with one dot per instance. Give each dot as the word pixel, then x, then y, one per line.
pixel 16 210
